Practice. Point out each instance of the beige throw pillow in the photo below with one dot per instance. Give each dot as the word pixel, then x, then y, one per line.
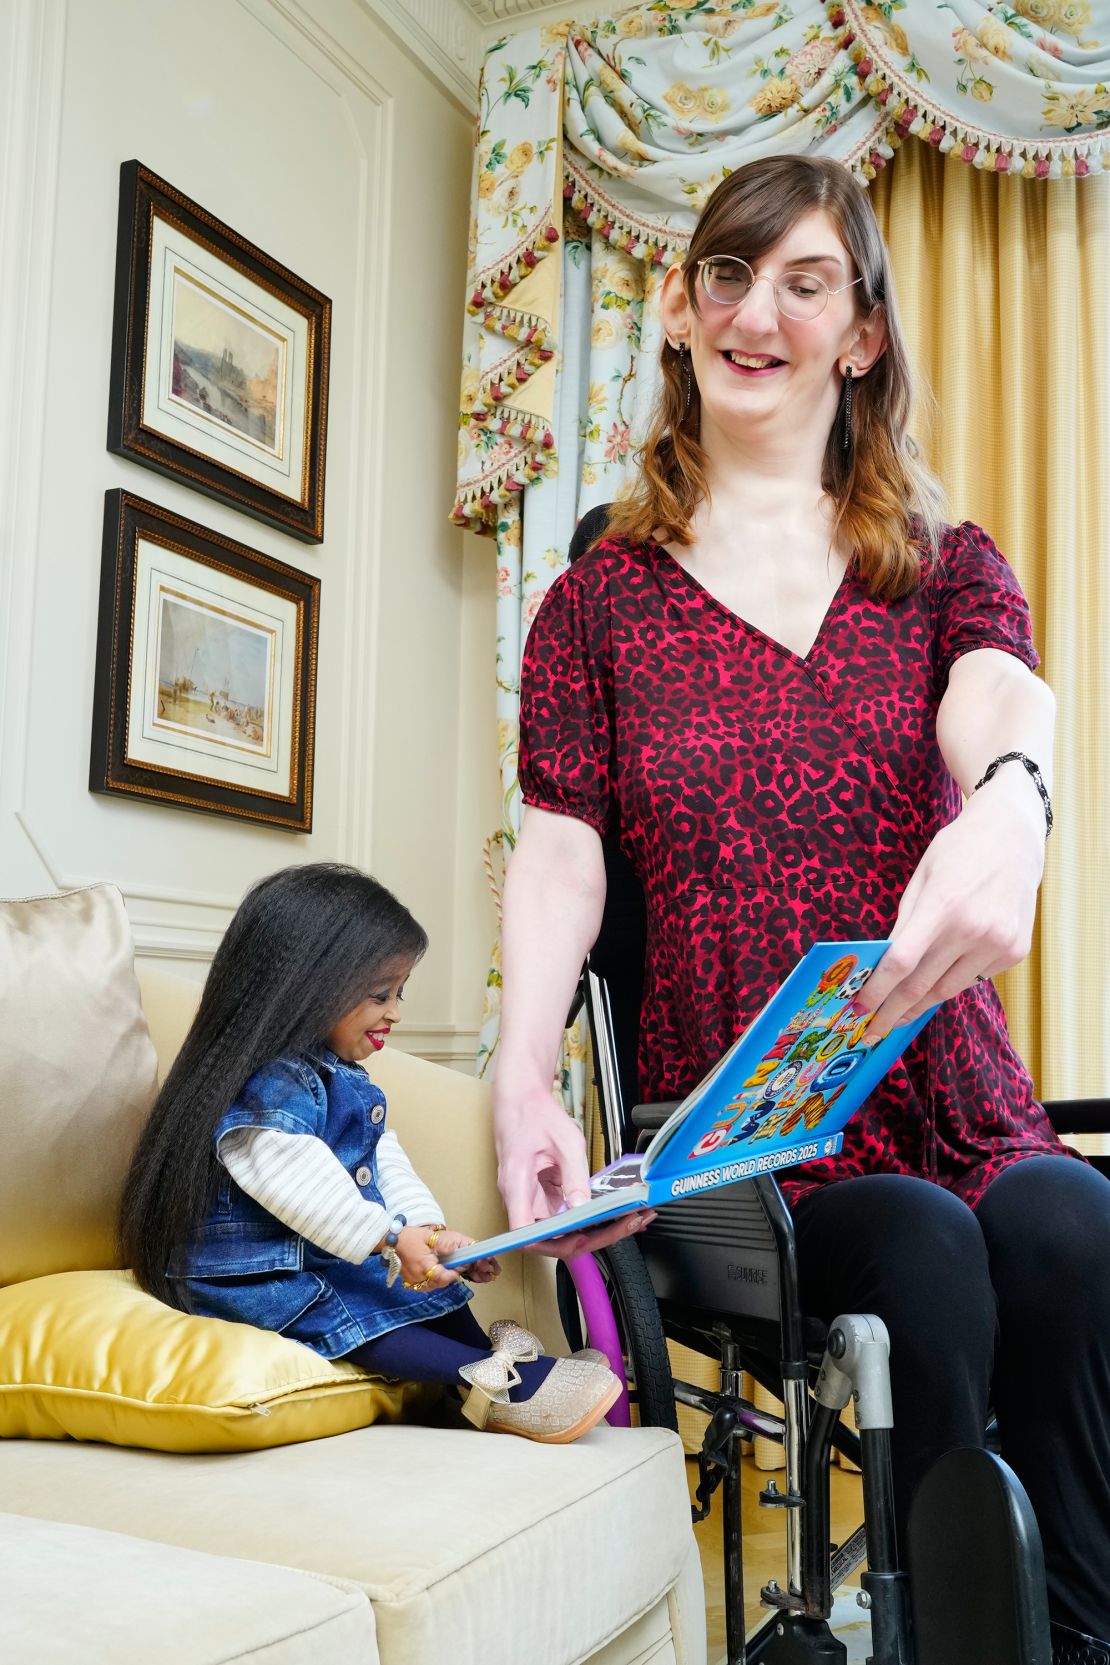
pixel 77 1079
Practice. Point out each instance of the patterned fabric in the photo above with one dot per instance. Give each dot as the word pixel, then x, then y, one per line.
pixel 769 800
pixel 561 334
pixel 635 119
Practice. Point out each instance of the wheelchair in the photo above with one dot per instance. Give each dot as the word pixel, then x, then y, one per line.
pixel 718 1274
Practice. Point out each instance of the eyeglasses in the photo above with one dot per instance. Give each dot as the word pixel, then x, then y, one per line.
pixel 802 296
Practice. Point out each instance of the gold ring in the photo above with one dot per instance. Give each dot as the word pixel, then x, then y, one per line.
pixel 431 1238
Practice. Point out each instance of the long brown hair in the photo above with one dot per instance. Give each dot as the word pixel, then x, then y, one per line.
pixel 305 946
pixel 889 507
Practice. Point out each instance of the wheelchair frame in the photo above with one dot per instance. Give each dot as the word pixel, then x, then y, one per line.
pixel 722 1267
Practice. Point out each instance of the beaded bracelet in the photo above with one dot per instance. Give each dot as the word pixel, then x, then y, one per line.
pixel 389 1248
pixel 1027 762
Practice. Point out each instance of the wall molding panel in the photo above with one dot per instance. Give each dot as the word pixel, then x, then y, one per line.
pixel 165 920
pixel 342 72
pixel 445 35
pixel 332 133
pixel 35 57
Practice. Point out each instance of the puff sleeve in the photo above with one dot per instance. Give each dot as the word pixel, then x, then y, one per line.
pixel 977 603
pixel 566 704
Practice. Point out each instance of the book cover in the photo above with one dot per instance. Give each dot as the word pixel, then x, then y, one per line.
pixel 782 1094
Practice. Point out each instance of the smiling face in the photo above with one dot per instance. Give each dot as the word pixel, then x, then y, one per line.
pixel 366 1027
pixel 758 371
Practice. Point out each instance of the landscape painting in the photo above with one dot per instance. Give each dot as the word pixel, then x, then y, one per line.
pixel 215 675
pixel 204 696
pixel 220 358
pixel 226 365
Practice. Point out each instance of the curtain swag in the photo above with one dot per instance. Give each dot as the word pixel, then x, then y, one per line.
pixel 629 122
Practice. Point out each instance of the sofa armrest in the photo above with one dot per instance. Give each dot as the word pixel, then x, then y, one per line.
pixel 444 1120
pixel 169 1005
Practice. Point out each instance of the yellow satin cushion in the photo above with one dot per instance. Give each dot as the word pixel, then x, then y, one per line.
pixel 89 1356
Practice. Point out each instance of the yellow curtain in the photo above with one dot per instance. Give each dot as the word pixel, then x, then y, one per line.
pixel 1003 289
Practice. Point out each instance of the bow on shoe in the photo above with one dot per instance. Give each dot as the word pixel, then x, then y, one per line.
pixel 490 1379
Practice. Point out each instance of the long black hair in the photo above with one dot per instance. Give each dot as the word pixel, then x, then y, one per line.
pixel 305 947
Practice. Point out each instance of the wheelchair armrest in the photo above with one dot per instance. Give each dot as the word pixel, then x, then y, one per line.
pixel 649 1117
pixel 1075 1115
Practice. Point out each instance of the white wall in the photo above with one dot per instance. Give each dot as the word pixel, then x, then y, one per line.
pixel 309 130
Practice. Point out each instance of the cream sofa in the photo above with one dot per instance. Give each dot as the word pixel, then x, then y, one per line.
pixel 404 1544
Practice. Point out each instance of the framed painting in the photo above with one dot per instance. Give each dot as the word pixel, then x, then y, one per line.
pixel 205 685
pixel 219 373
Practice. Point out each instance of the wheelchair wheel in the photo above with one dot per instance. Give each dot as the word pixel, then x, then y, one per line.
pixel 647 1364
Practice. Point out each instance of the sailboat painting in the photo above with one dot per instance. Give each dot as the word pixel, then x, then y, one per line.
pixel 215 674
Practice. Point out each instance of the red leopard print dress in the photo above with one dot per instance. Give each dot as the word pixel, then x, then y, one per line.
pixel 768 802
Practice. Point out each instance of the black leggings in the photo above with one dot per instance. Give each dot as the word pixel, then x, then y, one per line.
pixel 435 1350
pixel 1007 1306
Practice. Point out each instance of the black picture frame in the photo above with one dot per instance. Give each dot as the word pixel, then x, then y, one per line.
pixel 232 446
pixel 165 754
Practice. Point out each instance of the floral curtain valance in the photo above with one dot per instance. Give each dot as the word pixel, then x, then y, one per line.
pixel 632 120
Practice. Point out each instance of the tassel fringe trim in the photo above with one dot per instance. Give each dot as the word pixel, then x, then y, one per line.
pixel 909 115
pixel 477 504
pixel 637 237
pixel 913 115
pixel 495 282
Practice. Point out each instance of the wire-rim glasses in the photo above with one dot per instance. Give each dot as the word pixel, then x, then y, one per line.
pixel 728 280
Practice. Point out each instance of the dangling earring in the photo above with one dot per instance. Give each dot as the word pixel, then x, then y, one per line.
pixel 846 408
pixel 687 374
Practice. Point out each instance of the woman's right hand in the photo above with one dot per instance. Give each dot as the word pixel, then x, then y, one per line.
pixel 543 1168
pixel 541 1154
pixel 554 895
pixel 421 1268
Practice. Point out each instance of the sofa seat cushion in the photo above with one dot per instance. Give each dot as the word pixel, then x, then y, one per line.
pixel 91 1356
pixel 72 1592
pixel 475 1548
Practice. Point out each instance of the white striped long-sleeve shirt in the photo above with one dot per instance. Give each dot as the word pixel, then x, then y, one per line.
pixel 299 1179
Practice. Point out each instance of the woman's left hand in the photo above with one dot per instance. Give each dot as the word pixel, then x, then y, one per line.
pixel 479 1271
pixel 482 1271
pixel 967 913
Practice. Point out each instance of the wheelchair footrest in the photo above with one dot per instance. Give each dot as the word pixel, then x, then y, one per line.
pixel 977 1575
pixel 792 1639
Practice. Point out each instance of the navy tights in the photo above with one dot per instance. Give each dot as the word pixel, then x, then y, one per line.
pixel 1007 1306
pixel 434 1351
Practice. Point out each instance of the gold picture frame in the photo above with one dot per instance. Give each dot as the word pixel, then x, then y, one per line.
pixel 220 355
pixel 205 684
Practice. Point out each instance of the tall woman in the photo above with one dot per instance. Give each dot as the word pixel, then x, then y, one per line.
pixel 808 707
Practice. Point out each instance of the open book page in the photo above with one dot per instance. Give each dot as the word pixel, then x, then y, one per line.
pixel 682 1110
pixel 607 1206
pixel 782 1094
pixel 786 1089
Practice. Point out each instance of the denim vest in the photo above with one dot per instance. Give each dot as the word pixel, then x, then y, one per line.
pixel 245 1265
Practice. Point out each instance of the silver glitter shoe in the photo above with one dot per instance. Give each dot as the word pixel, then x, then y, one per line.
pixel 571 1400
pixel 490 1379
pixel 503 1332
